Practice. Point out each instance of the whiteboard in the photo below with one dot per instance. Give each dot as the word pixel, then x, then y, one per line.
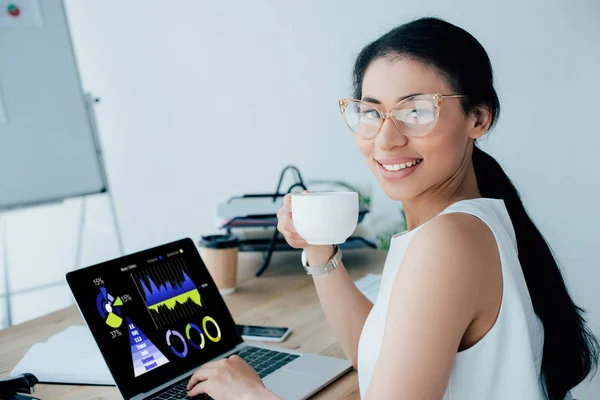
pixel 48 146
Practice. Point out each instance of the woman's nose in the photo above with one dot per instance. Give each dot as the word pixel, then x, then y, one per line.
pixel 390 136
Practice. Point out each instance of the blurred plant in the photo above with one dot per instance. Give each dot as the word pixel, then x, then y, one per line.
pixel 384 235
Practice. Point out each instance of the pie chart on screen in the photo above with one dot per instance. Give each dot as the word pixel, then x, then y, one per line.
pixel 109 308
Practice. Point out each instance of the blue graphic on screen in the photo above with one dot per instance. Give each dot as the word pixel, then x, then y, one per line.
pixel 158 294
pixel 109 308
pixel 146 356
pixel 169 292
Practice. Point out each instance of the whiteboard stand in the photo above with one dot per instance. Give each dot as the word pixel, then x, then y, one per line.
pixel 5 262
pixel 90 101
pixel 80 230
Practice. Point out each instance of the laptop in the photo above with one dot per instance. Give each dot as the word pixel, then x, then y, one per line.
pixel 157 316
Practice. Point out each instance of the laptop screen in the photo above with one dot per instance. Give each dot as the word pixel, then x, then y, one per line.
pixel 154 315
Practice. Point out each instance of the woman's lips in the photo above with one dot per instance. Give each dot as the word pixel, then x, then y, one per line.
pixel 397 169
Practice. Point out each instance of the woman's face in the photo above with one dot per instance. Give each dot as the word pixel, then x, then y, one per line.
pixel 443 153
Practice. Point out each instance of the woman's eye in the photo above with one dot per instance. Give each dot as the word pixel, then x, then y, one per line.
pixel 416 115
pixel 369 114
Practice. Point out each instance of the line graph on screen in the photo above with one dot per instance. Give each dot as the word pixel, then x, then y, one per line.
pixel 168 292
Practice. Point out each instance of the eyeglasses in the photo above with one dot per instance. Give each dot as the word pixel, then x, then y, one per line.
pixel 413 116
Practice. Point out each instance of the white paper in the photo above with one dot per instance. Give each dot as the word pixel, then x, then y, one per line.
pixel 369 286
pixel 70 356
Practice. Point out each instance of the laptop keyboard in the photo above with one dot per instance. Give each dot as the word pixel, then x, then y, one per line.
pixel 264 361
pixel 180 392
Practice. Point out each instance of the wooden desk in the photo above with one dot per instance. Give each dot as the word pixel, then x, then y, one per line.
pixel 284 296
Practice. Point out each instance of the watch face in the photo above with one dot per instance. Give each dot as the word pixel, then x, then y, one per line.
pixel 304 260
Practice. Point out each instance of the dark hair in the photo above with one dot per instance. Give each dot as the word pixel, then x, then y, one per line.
pixel 570 350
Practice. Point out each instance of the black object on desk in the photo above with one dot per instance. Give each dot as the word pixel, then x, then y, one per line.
pixel 266 217
pixel 11 387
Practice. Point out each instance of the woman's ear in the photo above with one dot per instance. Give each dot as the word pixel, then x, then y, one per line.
pixel 481 120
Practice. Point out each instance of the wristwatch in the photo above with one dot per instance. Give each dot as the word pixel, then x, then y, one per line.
pixel 322 269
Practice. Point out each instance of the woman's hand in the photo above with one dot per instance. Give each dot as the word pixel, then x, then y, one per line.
pixel 228 378
pixel 285 225
pixel 316 254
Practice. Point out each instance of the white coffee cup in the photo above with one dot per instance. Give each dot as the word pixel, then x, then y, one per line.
pixel 325 217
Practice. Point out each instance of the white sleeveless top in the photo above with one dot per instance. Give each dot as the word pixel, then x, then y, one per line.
pixel 505 363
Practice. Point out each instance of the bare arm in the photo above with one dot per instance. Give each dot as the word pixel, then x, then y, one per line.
pixel 345 307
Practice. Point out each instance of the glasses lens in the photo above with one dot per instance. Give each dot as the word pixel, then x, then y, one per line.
pixel 363 120
pixel 416 116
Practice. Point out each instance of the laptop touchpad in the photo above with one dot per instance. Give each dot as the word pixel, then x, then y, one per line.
pixel 293 385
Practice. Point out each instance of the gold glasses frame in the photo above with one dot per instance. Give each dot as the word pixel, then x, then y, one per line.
pixel 435 99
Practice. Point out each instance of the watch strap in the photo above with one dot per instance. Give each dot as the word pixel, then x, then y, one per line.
pixel 325 268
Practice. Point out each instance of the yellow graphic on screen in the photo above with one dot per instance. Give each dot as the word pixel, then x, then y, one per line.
pixel 109 308
pixel 169 293
pixel 171 303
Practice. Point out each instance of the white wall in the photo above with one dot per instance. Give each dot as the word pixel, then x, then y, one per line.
pixel 202 100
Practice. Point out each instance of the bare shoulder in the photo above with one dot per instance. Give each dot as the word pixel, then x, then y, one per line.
pixel 454 227
pixel 455 248
pixel 455 236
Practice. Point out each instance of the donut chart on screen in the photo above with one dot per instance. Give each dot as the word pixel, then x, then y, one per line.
pixel 109 308
pixel 172 333
pixel 197 346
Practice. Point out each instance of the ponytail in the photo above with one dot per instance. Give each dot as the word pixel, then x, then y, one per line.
pixel 570 350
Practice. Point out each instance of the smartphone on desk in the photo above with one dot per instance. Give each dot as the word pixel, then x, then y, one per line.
pixel 263 333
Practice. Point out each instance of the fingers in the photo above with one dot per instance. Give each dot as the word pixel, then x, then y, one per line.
pixel 294 239
pixel 287 201
pixel 285 223
pixel 291 236
pixel 298 243
pixel 200 379
pixel 199 389
pixel 208 370
pixel 284 212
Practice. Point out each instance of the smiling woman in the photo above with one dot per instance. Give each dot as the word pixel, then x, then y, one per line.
pixel 472 304
pixel 427 158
